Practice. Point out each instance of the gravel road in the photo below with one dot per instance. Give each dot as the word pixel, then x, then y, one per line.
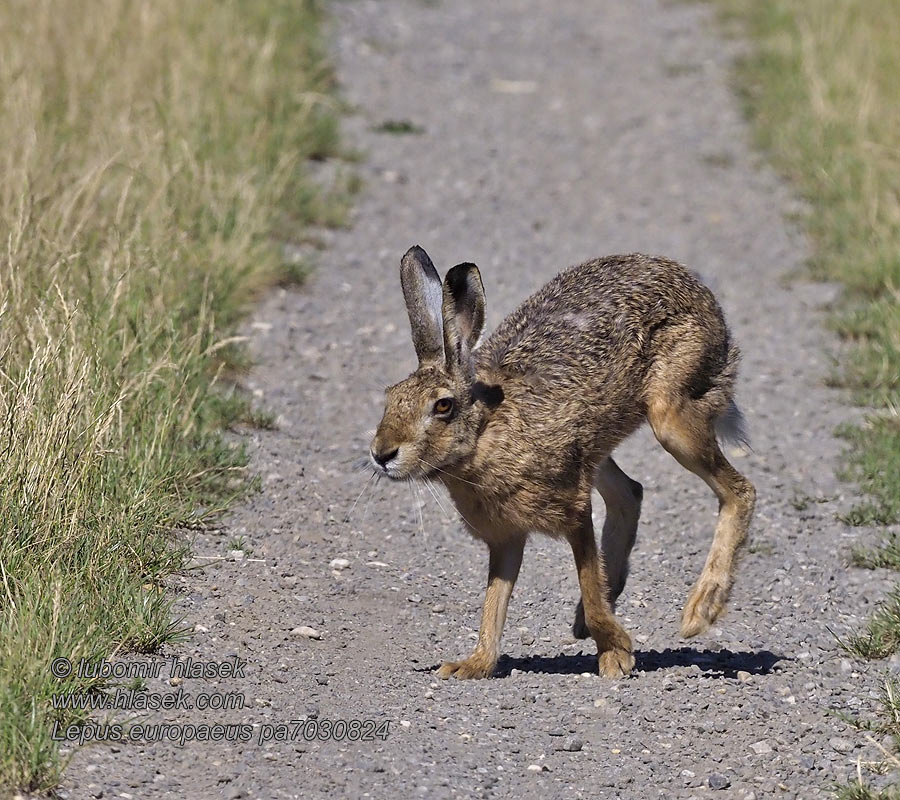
pixel 551 132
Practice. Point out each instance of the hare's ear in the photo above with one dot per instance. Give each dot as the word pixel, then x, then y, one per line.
pixel 463 313
pixel 423 295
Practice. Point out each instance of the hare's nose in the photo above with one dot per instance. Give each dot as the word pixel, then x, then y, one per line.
pixel 385 456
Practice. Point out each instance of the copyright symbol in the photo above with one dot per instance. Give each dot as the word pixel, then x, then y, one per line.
pixel 61 667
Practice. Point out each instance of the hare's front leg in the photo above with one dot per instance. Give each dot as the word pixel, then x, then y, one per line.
pixel 615 657
pixel 503 569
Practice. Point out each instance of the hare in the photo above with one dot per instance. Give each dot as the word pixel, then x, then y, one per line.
pixel 519 428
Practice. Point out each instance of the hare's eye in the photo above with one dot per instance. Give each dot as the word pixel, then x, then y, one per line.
pixel 443 406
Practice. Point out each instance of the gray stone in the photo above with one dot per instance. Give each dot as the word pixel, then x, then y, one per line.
pixel 716 780
pixel 840 744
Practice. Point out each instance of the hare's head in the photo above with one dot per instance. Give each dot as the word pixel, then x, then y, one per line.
pixel 432 418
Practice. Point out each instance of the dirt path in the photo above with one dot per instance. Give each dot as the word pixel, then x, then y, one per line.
pixel 553 132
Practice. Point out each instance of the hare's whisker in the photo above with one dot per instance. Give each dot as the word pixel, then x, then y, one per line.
pixel 365 486
pixel 362 522
pixel 361 464
pixel 416 506
pixel 460 512
pixel 421 517
pixel 438 469
pixel 438 501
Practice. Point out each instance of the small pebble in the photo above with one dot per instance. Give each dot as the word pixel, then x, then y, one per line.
pixel 743 676
pixel 339 564
pixel 306 632
pixel 840 744
pixel 717 780
pixel 761 748
pixel 572 745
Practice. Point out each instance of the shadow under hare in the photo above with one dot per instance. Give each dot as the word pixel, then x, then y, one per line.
pixel 520 428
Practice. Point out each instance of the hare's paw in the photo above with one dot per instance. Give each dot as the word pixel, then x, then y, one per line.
pixel 705 604
pixel 473 667
pixel 615 663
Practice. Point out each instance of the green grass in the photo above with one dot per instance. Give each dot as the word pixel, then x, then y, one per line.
pixel 398 127
pixel 875 466
pixel 153 163
pixel 881 637
pixel 821 88
pixel 887 554
pixel 820 85
pixel 886 726
pixel 860 791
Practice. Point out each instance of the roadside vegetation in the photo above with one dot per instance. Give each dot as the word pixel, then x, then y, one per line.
pixel 820 83
pixel 153 166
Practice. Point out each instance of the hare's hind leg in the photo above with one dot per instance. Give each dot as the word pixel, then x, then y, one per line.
pixel 622 497
pixel 615 657
pixel 503 569
pixel 684 427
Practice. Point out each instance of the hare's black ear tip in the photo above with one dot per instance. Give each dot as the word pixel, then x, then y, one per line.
pixel 464 269
pixel 458 276
pixel 416 251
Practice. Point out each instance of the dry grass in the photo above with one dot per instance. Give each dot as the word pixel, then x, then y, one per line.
pixel 821 85
pixel 150 150
pixel 822 88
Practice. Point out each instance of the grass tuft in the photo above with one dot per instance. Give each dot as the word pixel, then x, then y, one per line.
pixel 860 791
pixel 886 555
pixel 886 726
pixel 874 463
pixel 398 127
pixel 882 635
pixel 150 152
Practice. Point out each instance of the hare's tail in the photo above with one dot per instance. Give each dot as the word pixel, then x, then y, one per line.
pixel 728 420
pixel 731 427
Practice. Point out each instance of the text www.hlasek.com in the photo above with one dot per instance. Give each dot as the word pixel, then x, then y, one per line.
pixel 297 730
pixel 129 699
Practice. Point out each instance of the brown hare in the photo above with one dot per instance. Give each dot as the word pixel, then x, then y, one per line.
pixel 520 428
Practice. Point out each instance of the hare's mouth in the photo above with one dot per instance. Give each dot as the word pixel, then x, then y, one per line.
pixel 390 467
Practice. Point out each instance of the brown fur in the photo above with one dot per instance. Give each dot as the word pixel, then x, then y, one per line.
pixel 539 408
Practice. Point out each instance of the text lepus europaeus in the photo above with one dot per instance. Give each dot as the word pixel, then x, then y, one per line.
pixel 520 428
